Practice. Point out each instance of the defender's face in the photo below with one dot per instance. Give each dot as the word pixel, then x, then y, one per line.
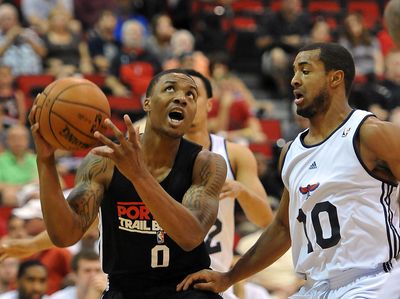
pixel 172 105
pixel 203 107
pixel 310 84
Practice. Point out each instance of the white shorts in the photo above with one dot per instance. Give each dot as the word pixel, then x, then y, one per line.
pixel 228 294
pixel 365 287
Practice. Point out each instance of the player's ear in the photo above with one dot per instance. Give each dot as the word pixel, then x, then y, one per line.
pixel 337 77
pixel 146 105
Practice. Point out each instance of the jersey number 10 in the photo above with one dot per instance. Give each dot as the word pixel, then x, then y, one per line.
pixel 320 207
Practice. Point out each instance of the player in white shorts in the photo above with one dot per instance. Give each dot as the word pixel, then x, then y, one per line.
pixel 338 210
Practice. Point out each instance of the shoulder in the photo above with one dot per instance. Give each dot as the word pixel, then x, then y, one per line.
pixel 238 152
pixel 373 129
pixel 284 151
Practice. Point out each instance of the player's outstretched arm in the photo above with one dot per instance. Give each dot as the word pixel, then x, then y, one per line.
pixel 271 245
pixel 246 187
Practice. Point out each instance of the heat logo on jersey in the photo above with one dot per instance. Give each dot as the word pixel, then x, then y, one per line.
pixel 308 189
pixel 136 217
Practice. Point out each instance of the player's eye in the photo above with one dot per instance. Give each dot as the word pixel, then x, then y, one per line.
pixel 169 89
pixel 305 72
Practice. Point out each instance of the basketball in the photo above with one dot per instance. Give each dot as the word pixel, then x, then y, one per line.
pixel 69 111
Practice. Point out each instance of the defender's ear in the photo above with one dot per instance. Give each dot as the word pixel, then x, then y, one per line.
pixel 337 78
pixel 146 105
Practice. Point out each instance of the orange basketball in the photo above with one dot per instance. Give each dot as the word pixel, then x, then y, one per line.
pixel 69 111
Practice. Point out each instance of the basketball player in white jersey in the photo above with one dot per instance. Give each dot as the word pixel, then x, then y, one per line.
pixel 338 208
pixel 241 183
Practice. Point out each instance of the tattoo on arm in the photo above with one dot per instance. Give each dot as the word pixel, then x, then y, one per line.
pixel 86 197
pixel 202 197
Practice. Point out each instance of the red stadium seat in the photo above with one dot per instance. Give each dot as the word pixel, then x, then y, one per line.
pixel 248 6
pixel 271 128
pixel 264 148
pixel 30 85
pixel 97 79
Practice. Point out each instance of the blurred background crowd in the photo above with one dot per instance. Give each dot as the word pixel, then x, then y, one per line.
pixel 245 47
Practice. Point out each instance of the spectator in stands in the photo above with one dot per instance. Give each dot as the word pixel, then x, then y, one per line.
pixel 280 37
pixel 31 282
pixel 126 11
pixel 320 32
pixel 90 281
pixel 15 228
pixel 103 46
pixel 231 112
pixel 67 52
pixel 159 42
pixel 182 43
pixel 8 274
pixel 88 12
pixel 128 63
pixel 364 47
pixel 20 48
pixel 17 164
pixel 57 260
pixel 12 100
pixel 37 13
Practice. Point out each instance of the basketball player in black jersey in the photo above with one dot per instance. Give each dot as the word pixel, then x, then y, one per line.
pixel 157 194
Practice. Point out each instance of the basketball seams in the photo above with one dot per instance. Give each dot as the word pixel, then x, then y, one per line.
pixel 83 104
pixel 72 126
pixel 52 104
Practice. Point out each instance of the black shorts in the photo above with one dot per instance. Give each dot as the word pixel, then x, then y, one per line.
pixel 162 294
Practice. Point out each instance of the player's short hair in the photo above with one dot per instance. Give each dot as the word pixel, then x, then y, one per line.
pixel 157 77
pixel 335 57
pixel 206 82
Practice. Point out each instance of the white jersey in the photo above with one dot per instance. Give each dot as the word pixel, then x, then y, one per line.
pixel 219 239
pixel 341 216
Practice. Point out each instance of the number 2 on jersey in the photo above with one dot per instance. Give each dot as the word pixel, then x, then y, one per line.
pixel 320 207
pixel 216 229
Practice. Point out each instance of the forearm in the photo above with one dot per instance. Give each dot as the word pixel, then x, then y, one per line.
pixel 42 241
pixel 255 207
pixel 272 244
pixel 57 214
pixel 175 219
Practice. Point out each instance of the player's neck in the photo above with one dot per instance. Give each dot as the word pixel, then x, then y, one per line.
pixel 322 125
pixel 200 137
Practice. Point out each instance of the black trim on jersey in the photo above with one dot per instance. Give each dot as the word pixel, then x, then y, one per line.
pixel 284 157
pixel 356 150
pixel 303 135
pixel 392 234
pixel 229 160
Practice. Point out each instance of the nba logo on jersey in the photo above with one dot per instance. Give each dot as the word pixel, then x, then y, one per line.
pixel 346 132
pixel 308 189
pixel 160 237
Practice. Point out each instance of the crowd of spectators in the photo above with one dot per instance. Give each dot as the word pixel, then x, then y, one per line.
pixel 121 45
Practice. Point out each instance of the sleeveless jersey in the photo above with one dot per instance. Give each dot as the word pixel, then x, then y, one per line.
pixel 341 216
pixel 136 253
pixel 219 239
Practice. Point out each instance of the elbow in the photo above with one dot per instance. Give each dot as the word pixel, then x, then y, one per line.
pixel 191 243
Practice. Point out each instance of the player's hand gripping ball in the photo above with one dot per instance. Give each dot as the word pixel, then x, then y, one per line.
pixel 69 111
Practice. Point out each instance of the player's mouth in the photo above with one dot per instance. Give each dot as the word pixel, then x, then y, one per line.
pixel 298 97
pixel 176 117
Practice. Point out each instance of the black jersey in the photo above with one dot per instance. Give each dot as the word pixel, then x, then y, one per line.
pixel 136 253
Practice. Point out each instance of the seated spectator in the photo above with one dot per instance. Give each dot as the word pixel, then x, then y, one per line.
pixel 127 65
pixel 20 48
pixel 320 32
pixel 232 112
pixel 31 282
pixel 159 42
pixel 15 228
pixel 57 260
pixel 8 274
pixel 17 164
pixel 12 101
pixel 364 47
pixel 182 42
pixel 90 281
pixel 103 47
pixel 280 37
pixel 37 12
pixel 67 52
